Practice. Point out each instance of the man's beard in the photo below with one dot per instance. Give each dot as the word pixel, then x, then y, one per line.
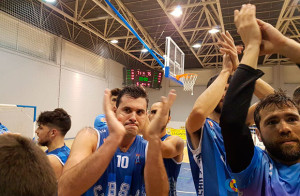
pixel 45 143
pixel 282 152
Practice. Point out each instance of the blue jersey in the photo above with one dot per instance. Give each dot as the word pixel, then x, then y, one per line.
pixel 125 173
pixel 100 122
pixel 61 153
pixel 3 129
pixel 208 163
pixel 266 177
pixel 172 168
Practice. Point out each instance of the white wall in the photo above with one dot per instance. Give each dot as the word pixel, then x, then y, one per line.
pixel 28 81
pixel 40 69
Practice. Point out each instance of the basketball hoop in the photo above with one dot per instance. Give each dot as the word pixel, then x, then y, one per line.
pixel 188 81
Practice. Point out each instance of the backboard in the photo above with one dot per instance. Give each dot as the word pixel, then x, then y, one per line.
pixel 174 59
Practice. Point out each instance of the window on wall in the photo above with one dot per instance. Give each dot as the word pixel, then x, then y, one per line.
pixel 82 60
pixel 26 39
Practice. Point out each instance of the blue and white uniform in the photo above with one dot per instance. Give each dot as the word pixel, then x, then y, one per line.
pixel 266 177
pixel 208 163
pixel 125 173
pixel 3 129
pixel 172 168
pixel 100 122
pixel 61 153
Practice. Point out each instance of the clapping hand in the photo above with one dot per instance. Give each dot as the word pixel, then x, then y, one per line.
pixel 156 125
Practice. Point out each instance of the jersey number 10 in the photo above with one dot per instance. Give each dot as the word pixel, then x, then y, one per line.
pixel 123 161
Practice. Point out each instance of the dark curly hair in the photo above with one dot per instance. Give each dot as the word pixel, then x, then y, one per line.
pixel 115 91
pixel 58 118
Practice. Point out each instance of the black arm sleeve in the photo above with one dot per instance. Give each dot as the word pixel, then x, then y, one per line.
pixel 236 134
pixel 298 65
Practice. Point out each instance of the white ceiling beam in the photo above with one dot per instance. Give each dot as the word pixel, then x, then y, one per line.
pixel 201 3
pixel 195 29
pixel 91 30
pixel 121 37
pixel 95 19
pixel 146 35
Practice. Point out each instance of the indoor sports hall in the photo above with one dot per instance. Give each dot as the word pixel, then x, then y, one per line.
pixel 65 53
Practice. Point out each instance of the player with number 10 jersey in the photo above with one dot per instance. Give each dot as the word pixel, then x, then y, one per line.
pixel 125 173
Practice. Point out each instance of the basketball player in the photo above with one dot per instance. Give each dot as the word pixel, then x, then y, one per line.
pixel 113 160
pixel 296 96
pixel 51 131
pixel 100 120
pixel 258 172
pixel 205 142
pixel 172 150
pixel 25 169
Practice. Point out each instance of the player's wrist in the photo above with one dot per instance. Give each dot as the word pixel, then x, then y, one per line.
pixel 285 46
pixel 226 71
pixel 116 137
pixel 250 56
pixel 255 45
pixel 155 141
pixel 153 137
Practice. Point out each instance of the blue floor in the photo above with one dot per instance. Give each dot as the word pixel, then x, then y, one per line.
pixel 185 184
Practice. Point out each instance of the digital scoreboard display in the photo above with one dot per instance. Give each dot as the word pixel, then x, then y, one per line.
pixel 146 78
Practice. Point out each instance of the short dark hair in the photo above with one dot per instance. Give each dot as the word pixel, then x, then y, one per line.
pixel 212 79
pixel 134 92
pixel 58 118
pixel 115 91
pixel 279 99
pixel 296 96
pixel 25 168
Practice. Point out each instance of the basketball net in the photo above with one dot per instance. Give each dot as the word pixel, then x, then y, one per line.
pixel 188 81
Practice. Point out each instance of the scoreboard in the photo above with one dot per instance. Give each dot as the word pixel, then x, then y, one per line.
pixel 139 77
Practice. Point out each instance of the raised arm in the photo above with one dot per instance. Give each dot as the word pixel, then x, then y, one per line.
pixel 262 89
pixel 172 147
pixel 156 179
pixel 206 103
pixel 86 164
pixel 275 42
pixel 237 137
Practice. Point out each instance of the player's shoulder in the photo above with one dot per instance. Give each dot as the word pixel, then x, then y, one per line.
pixel 87 136
pixel 87 131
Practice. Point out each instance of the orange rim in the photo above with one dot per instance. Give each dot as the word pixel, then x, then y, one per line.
pixel 187 75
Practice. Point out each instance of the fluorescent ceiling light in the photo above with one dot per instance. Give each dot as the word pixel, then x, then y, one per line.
pixel 197 45
pixel 50 1
pixel 114 41
pixel 144 50
pixel 177 11
pixel 212 31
